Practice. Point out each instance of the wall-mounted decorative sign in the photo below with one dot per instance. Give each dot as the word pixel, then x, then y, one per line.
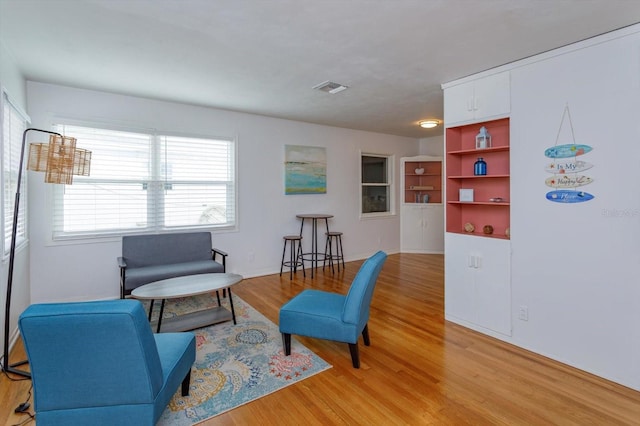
pixel 305 169
pixel 567 170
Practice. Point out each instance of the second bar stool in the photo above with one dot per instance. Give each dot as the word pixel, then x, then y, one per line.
pixel 295 255
pixel 338 256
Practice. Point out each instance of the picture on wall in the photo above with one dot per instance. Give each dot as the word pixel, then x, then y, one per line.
pixel 568 172
pixel 305 169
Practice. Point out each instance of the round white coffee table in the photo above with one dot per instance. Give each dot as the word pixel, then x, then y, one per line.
pixel 190 285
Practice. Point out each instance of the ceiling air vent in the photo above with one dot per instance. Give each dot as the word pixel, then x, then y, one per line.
pixel 330 87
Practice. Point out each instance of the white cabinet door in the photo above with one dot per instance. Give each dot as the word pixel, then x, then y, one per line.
pixel 422 228
pixel 433 229
pixel 411 229
pixel 478 282
pixel 493 286
pixel 459 280
pixel 478 100
pixel 492 96
pixel 459 103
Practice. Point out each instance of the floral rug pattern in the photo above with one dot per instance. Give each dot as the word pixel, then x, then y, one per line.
pixel 235 364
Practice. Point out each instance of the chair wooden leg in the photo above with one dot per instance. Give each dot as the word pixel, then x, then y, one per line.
pixel 286 343
pixel 186 382
pixel 365 335
pixel 355 357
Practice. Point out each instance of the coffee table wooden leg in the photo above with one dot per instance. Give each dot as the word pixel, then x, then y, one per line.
pixel 160 317
pixel 233 312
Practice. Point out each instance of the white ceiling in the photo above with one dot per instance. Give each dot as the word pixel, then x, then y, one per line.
pixel 264 56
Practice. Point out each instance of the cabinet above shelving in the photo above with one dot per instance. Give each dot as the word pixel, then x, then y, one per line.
pixel 477 100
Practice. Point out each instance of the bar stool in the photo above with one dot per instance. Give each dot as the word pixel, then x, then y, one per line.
pixel 328 250
pixel 295 255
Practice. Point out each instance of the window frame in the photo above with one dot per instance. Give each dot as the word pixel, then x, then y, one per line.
pixel 157 138
pixel 8 194
pixel 390 165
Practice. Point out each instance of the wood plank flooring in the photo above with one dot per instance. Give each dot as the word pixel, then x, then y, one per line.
pixel 419 369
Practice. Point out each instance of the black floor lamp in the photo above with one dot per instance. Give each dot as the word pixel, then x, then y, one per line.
pixel 60 160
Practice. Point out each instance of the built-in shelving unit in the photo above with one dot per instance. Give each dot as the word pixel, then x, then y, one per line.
pixel 461 155
pixel 428 183
pixel 422 209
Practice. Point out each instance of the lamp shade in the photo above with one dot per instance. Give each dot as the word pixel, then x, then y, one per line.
pixel 59 159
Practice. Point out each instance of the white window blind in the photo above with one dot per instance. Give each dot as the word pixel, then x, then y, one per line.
pixel 147 183
pixel 13 126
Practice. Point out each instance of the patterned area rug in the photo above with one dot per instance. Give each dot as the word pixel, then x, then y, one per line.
pixel 235 364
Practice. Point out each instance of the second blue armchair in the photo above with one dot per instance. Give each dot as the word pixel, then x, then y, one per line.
pixel 333 316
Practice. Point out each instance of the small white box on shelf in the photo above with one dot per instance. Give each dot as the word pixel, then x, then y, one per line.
pixel 466 195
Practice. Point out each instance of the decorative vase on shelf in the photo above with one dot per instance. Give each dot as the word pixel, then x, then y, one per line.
pixel 480 167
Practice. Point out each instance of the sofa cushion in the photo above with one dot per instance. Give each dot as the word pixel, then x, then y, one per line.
pixel 162 249
pixel 147 274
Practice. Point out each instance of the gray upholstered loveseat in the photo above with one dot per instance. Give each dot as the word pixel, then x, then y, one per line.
pixel 148 258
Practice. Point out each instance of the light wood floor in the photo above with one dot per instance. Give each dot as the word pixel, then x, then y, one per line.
pixel 419 369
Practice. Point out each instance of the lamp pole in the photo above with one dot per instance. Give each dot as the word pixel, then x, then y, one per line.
pixel 12 254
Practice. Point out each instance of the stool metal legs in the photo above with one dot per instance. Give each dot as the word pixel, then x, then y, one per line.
pixel 328 250
pixel 295 255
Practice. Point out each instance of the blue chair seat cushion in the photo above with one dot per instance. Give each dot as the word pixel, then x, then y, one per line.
pixel 147 274
pixel 319 314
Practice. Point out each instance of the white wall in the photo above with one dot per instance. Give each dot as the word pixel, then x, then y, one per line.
pixel 11 78
pixel 575 266
pixel 12 82
pixel 87 269
pixel 433 146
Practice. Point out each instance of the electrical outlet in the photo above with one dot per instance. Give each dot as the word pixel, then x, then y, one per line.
pixel 251 256
pixel 523 313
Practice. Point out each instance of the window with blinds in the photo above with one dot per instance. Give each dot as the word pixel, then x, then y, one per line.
pixel 141 182
pixel 14 124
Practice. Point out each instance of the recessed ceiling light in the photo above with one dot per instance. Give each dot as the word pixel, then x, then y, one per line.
pixel 429 124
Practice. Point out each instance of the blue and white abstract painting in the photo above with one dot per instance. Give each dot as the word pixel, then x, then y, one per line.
pixel 305 169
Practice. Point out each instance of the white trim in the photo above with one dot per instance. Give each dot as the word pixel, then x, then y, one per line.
pixel 15 106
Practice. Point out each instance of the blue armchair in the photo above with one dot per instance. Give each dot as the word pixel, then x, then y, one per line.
pixel 98 363
pixel 333 316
